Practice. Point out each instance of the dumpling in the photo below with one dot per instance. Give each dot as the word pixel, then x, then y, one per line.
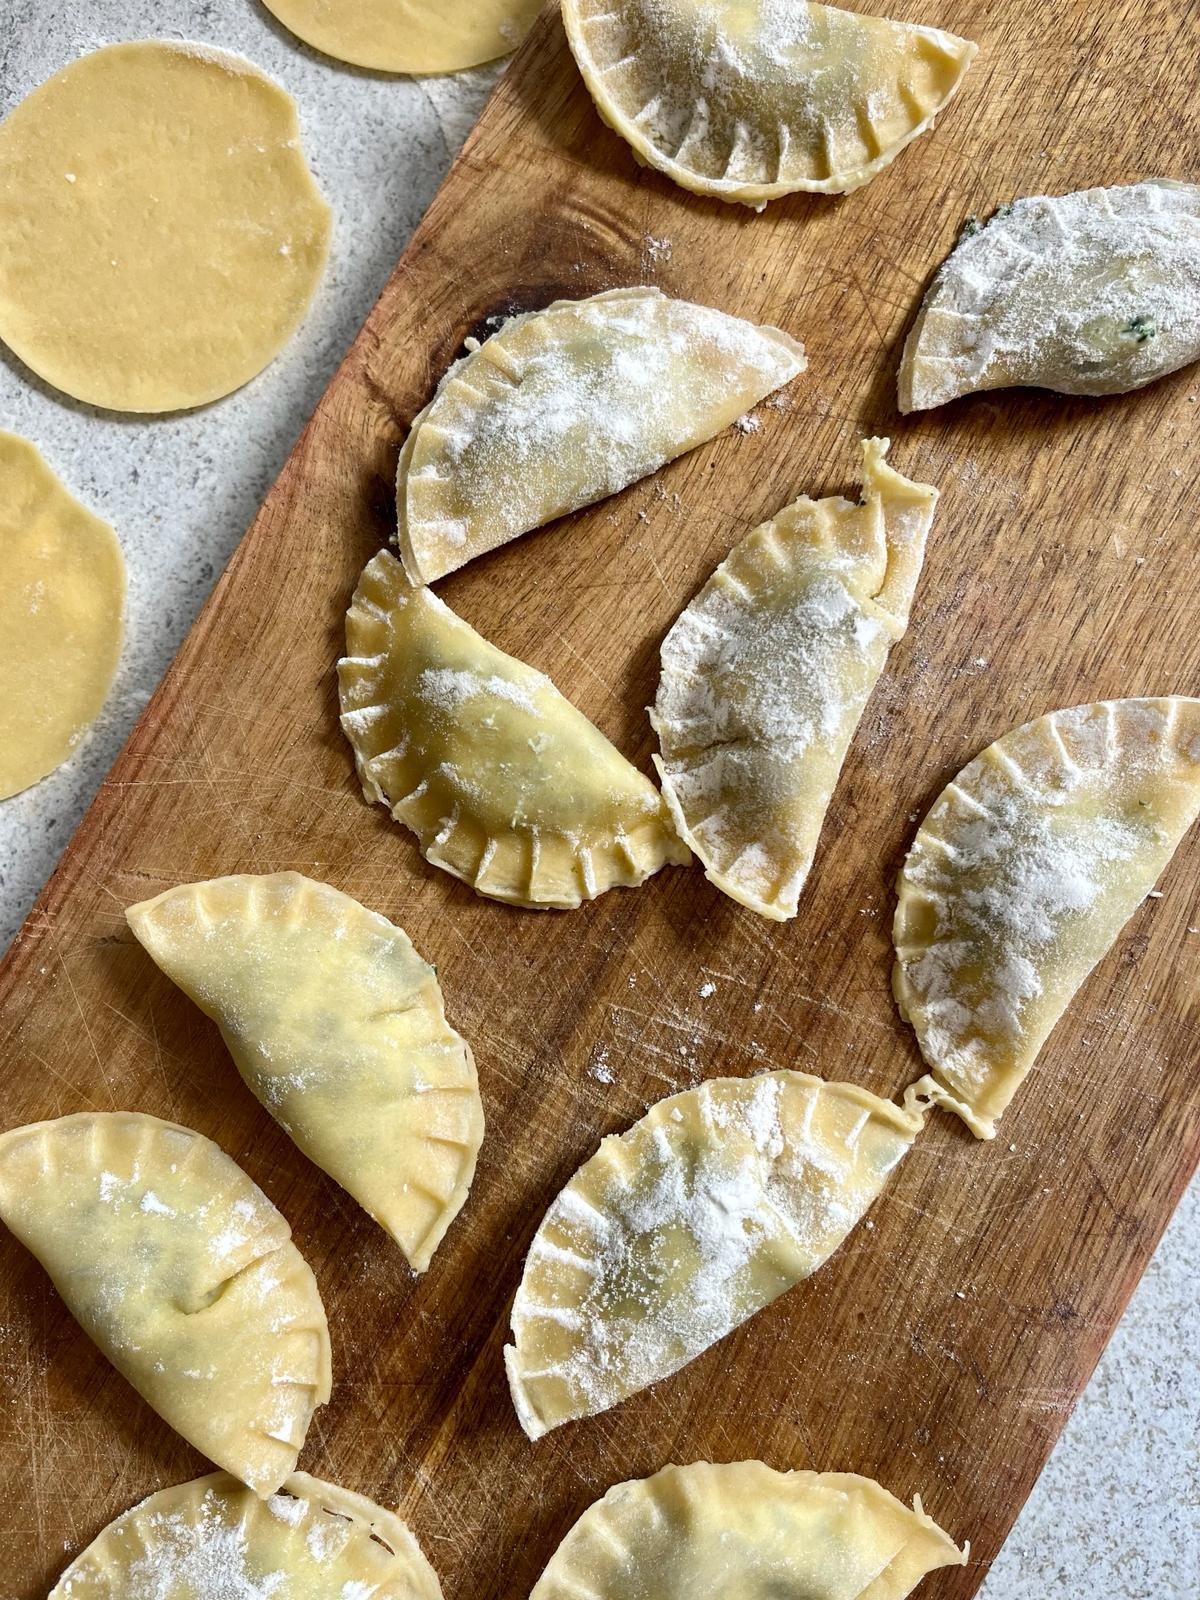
pixel 765 676
pixel 743 1531
pixel 337 1026
pixel 184 1274
pixel 1096 292
pixel 1022 876
pixel 564 406
pixel 752 99
pixel 505 784
pixel 677 1231
pixel 211 1539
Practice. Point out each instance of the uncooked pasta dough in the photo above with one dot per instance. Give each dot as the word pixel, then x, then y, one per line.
pixel 62 590
pixel 212 1539
pixel 409 35
pixel 161 235
pixel 741 1531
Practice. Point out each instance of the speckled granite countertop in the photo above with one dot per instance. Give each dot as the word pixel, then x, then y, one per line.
pixel 1117 1512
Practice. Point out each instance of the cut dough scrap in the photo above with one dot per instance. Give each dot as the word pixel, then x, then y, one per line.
pixel 505 784
pixel 765 676
pixel 184 1274
pixel 161 235
pixel 674 1233
pixel 752 99
pixel 562 407
pixel 337 1026
pixel 419 36
pixel 1022 876
pixel 62 594
pixel 1096 292
pixel 212 1539
pixel 742 1531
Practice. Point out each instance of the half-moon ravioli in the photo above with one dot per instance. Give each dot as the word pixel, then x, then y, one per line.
pixel 562 407
pixel 1096 292
pixel 212 1539
pixel 338 1027
pixel 742 1531
pixel 752 99
pixel 505 784
pixel 674 1233
pixel 184 1274
pixel 765 676
pixel 1021 877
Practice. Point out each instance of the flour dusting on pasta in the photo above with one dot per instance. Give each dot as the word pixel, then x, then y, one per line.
pixel 1023 874
pixel 1095 292
pixel 563 407
pixel 674 1233
pixel 767 672
pixel 757 98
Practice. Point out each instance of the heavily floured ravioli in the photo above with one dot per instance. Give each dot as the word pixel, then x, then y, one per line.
pixel 338 1027
pixel 1096 292
pixel 742 1531
pixel 564 406
pixel 505 784
pixel 1021 877
pixel 417 36
pixel 706 1210
pixel 212 1539
pixel 751 99
pixel 184 1274
pixel 765 676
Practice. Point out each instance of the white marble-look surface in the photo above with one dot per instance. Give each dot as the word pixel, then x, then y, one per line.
pixel 1117 1512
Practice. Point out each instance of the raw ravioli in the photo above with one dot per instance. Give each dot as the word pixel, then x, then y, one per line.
pixel 1096 292
pixel 741 1531
pixel 564 406
pixel 505 784
pixel 338 1027
pixel 752 99
pixel 674 1233
pixel 184 1274
pixel 1021 877
pixel 213 1540
pixel 766 674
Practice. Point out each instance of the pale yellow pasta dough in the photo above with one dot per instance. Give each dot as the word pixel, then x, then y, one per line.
pixel 160 233
pixel 741 1531
pixel 212 1539
pixel 409 35
pixel 674 1233
pixel 184 1274
pixel 751 99
pixel 62 590
pixel 505 783
pixel 767 672
pixel 1021 877
pixel 337 1026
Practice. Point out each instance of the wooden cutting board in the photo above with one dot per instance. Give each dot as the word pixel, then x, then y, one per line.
pixel 944 1346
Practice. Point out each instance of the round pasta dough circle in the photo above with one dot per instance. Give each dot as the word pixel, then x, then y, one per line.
pixel 161 235
pixel 416 36
pixel 62 592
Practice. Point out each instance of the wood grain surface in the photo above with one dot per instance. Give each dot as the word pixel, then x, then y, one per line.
pixel 943 1347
